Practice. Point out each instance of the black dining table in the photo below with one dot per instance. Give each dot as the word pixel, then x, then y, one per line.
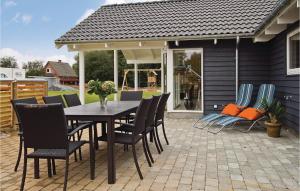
pixel 94 112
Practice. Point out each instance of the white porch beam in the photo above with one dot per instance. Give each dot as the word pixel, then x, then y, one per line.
pixel 275 28
pixel 263 38
pixel 81 77
pixel 289 16
pixel 157 61
pixel 116 72
pixel 136 82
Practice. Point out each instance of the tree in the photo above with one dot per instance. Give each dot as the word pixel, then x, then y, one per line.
pixel 8 62
pixel 99 65
pixel 34 68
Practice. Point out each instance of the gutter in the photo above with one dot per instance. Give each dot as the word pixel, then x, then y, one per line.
pixel 179 38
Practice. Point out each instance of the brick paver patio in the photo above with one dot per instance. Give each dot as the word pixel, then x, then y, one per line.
pixel 194 160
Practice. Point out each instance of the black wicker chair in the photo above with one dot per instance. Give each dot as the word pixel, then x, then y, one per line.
pixel 159 117
pixel 59 99
pixel 73 100
pixel 138 133
pixel 131 95
pixel 45 131
pixel 31 100
pixel 149 126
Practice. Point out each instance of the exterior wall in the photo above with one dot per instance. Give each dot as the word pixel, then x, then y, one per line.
pixel 286 85
pixel 219 71
pixel 254 64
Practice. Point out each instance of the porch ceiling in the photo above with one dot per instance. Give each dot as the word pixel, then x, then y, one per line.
pixel 143 56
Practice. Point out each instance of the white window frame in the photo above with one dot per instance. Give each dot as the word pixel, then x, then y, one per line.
pixel 290 71
pixel 48 70
pixel 170 81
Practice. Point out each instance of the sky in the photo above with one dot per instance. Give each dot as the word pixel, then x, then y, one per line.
pixel 30 27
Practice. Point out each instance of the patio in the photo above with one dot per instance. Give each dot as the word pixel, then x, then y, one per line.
pixel 194 160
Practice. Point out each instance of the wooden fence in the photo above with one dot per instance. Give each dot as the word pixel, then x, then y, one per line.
pixel 17 90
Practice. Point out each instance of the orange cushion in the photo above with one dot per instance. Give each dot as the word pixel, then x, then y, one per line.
pixel 231 109
pixel 250 113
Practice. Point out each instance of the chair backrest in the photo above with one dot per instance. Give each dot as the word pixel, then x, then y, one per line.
pixel 31 100
pixel 152 110
pixel 161 106
pixel 141 116
pixel 131 95
pixel 72 100
pixel 266 91
pixel 54 99
pixel 44 125
pixel 244 95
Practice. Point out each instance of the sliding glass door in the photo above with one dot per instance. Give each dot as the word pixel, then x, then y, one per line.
pixel 187 79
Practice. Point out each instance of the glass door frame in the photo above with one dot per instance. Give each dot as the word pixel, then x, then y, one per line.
pixel 170 80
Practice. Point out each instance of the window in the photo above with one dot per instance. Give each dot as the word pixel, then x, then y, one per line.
pixel 187 79
pixel 48 70
pixel 293 66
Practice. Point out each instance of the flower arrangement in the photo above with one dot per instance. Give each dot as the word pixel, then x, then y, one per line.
pixel 102 89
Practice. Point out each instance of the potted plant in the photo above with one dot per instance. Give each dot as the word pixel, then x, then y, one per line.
pixel 274 112
pixel 102 89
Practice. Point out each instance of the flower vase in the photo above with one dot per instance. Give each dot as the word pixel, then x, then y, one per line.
pixel 103 101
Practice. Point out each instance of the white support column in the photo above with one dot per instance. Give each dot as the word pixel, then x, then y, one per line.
pixel 116 72
pixel 170 84
pixel 81 77
pixel 136 82
pixel 162 82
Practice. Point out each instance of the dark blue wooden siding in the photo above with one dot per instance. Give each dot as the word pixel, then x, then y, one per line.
pixel 258 63
pixel 286 85
pixel 218 69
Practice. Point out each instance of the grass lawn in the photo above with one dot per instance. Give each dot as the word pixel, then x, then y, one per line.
pixel 93 98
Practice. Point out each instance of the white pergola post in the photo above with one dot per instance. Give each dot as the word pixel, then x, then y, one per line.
pixel 136 82
pixel 162 79
pixel 116 72
pixel 81 77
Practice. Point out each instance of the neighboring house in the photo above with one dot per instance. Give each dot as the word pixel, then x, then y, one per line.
pixel 206 47
pixel 62 71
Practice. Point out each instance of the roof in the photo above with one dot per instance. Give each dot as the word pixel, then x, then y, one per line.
pixel 169 19
pixel 62 69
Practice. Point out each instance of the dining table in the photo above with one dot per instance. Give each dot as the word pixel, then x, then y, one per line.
pixel 108 114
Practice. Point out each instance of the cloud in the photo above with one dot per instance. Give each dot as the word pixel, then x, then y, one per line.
pixel 125 1
pixel 87 13
pixel 24 18
pixel 24 58
pixel 45 19
pixel 10 3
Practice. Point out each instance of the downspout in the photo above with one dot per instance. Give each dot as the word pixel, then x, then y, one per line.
pixel 237 67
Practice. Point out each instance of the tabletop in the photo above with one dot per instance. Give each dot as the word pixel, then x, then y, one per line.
pixel 113 108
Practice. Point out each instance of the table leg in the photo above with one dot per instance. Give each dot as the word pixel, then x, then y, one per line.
pixel 36 168
pixel 110 152
pixel 92 153
pixel 103 128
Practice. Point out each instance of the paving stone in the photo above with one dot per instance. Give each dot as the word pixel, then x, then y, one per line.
pixel 194 160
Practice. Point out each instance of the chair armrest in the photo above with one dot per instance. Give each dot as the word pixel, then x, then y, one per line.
pixel 127 124
pixel 78 128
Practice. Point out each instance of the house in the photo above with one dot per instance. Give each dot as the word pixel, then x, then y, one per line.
pixel 62 71
pixel 206 48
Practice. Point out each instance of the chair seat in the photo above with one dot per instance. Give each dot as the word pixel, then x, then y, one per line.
pixel 56 153
pixel 129 129
pixel 122 138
